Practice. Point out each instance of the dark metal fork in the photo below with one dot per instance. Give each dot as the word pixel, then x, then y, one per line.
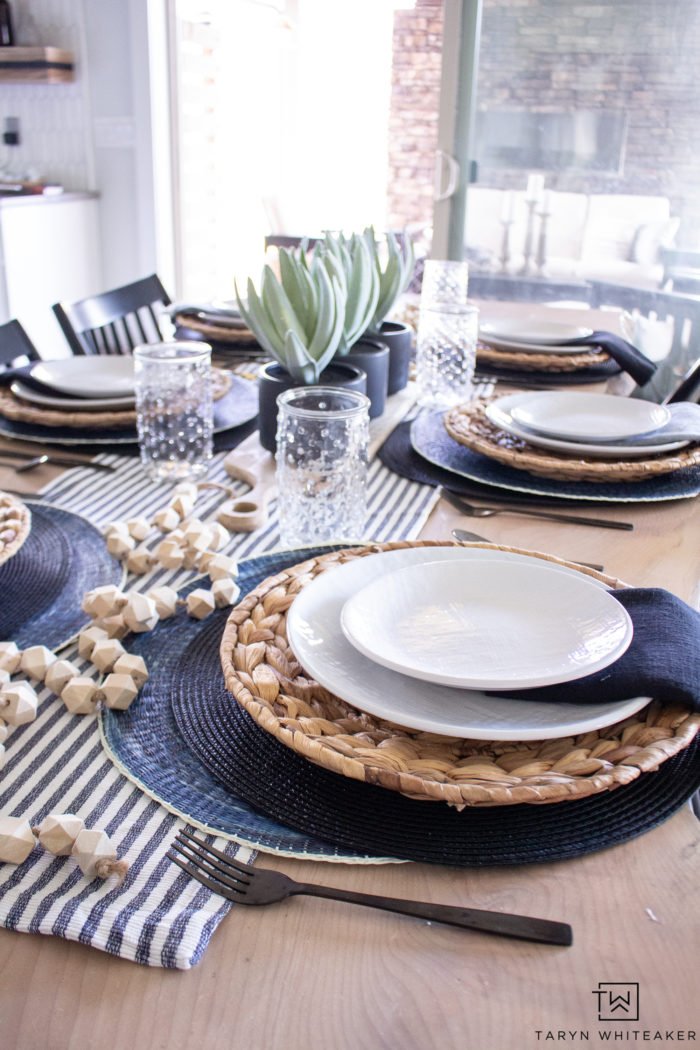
pixel 245 884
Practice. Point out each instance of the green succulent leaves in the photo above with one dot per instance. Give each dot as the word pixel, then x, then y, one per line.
pixel 394 277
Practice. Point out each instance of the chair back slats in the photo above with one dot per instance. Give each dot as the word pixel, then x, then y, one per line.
pixel 15 345
pixel 115 321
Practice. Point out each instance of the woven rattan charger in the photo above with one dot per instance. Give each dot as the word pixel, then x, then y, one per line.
pixel 469 426
pixel 14 407
pixel 220 333
pixel 264 676
pixel 526 362
pixel 15 523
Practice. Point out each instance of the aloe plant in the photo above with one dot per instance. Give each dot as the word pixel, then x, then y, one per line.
pixel 351 263
pixel 300 318
pixel 394 276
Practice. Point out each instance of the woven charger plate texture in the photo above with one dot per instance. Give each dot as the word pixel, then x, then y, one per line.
pixel 469 426
pixel 219 333
pixel 539 362
pixel 13 407
pixel 15 523
pixel 264 676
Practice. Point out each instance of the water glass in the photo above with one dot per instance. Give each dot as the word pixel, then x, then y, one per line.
pixel 174 409
pixel 446 353
pixel 444 281
pixel 322 454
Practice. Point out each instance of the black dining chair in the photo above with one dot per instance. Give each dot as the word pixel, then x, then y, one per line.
pixel 15 345
pixel 115 322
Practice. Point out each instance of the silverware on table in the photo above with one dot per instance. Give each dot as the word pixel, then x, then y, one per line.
pixel 462 536
pixel 488 512
pixel 245 884
pixel 30 461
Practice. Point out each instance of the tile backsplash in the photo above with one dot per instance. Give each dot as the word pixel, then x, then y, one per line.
pixel 53 118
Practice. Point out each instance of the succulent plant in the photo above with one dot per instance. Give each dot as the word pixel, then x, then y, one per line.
pixel 394 277
pixel 299 318
pixel 351 263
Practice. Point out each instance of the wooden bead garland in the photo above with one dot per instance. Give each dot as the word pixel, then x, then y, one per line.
pixel 62 834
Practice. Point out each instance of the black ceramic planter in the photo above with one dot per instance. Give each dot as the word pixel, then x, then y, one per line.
pixel 399 338
pixel 372 356
pixel 274 380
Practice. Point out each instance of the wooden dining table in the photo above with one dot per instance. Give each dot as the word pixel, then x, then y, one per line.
pixel 308 974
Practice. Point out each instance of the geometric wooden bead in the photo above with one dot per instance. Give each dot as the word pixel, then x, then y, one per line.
pixel 222 565
pixel 134 666
pixel 36 661
pixel 140 560
pixel 204 558
pixel 225 591
pixel 182 504
pixel 166 520
pixel 18 703
pixel 16 840
pixel 140 613
pixel 90 847
pixel 197 535
pixel 188 489
pixel 59 674
pixel 118 691
pixel 220 536
pixel 58 832
pixel 80 695
pixel 5 677
pixel 165 599
pixel 4 732
pixel 169 554
pixel 138 528
pixel 191 559
pixel 119 544
pixel 105 652
pixel 88 638
pixel 103 601
pixel 119 527
pixel 10 656
pixel 114 626
pixel 200 603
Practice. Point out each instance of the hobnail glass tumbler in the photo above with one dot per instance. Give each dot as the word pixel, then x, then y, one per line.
pixel 174 413
pixel 444 281
pixel 322 455
pixel 446 353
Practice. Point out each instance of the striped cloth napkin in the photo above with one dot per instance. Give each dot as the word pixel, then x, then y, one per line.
pixel 158 916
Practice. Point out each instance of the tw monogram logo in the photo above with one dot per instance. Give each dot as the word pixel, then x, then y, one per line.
pixel 617 1002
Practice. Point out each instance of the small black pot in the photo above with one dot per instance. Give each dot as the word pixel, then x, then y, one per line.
pixel 274 380
pixel 372 356
pixel 399 338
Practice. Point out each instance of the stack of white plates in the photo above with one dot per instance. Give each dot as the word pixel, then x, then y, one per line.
pixel 533 337
pixel 426 638
pixel 91 382
pixel 584 424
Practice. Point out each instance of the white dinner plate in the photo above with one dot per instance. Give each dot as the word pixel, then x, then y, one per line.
pixel 317 639
pixel 27 393
pixel 487 625
pixel 577 416
pixel 499 412
pixel 94 375
pixel 532 336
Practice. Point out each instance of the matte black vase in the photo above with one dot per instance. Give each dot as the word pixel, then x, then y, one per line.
pixel 399 338
pixel 274 380
pixel 372 356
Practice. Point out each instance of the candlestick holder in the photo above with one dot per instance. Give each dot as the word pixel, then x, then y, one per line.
pixel 505 244
pixel 541 259
pixel 527 267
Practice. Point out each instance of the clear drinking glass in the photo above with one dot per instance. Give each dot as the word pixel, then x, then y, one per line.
pixel 446 353
pixel 322 454
pixel 174 409
pixel 444 281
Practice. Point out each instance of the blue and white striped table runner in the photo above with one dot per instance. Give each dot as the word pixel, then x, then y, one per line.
pixel 157 917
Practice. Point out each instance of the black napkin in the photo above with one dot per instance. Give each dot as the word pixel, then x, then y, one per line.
pixel 627 356
pixel 662 661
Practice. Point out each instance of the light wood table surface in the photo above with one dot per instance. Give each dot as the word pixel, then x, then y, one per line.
pixel 310 974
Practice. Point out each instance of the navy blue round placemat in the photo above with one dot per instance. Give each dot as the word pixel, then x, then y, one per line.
pixel 430 439
pixel 209 761
pixel 592 374
pixel 42 586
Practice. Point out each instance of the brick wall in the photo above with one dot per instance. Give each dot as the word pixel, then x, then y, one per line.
pixel 640 56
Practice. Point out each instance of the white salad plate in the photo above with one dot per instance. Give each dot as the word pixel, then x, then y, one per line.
pixel 532 336
pixel 576 416
pixel 92 376
pixel 487 625
pixel 27 393
pixel 317 639
pixel 500 412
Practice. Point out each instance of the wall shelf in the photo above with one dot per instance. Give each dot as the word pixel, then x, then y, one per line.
pixel 36 65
